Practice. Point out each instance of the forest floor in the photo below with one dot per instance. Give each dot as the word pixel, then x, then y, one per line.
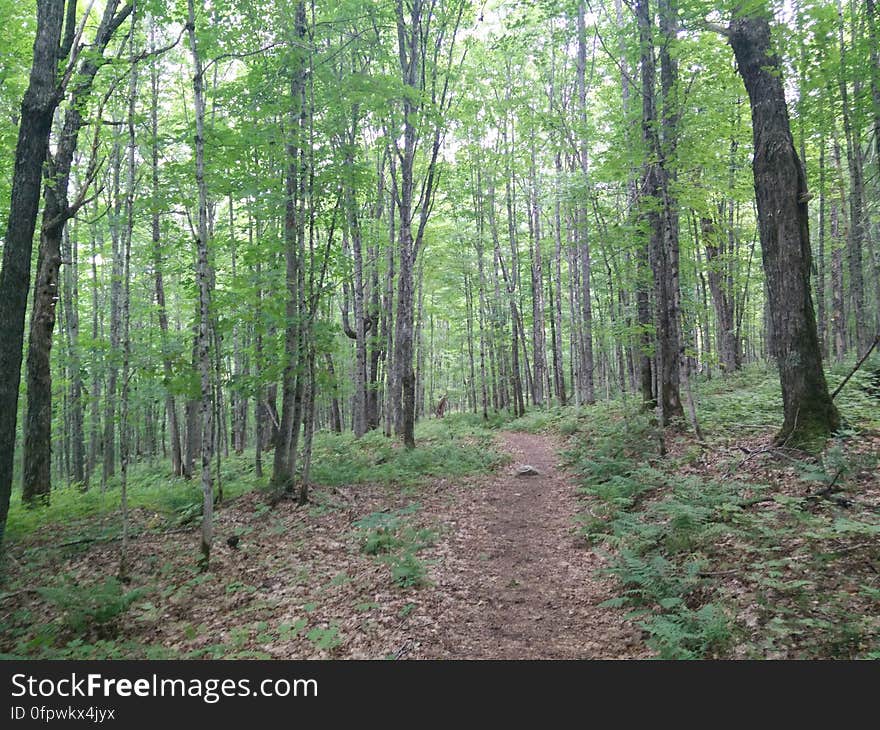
pixel 485 566
pixel 725 547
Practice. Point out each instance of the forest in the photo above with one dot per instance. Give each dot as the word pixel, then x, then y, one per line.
pixel 440 329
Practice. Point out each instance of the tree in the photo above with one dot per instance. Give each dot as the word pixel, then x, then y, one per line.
pixel 661 206
pixel 204 276
pixel 37 109
pixel 783 222
pixel 425 46
pixel 56 212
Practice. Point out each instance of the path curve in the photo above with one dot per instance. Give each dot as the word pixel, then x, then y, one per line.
pixel 516 581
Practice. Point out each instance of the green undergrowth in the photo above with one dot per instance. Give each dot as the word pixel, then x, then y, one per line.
pixel 750 400
pixel 396 541
pixel 452 447
pixel 712 559
pixel 150 487
pixel 455 446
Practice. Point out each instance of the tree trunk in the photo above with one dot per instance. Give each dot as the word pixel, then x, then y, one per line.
pixel 204 277
pixel 283 468
pixel 783 221
pixel 71 311
pixel 665 223
pixel 820 267
pixel 131 182
pixel 95 397
pixel 539 354
pixel 36 472
pixel 37 110
pixel 167 371
pixel 587 365
pixel 857 227
pixel 110 394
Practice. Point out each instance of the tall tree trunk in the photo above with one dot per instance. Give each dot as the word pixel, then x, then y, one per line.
pixel 361 322
pixel 783 221
pixel 588 394
pixel 838 302
pixel 36 472
pixel 409 50
pixel 423 73
pixel 820 263
pixel 131 182
pixel 717 262
pixel 283 467
pixel 37 110
pixel 71 310
pixel 667 293
pixel 649 187
pixel 95 375
pixel 558 359
pixel 857 227
pixel 539 354
pixel 110 395
pixel 167 370
pixel 204 277
pixel 838 243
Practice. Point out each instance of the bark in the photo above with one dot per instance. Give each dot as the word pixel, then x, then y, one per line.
pixel 723 298
pixel 665 232
pixel 309 426
pixel 392 385
pixel 239 371
pixel 283 467
pixel 71 312
pixel 114 216
pixel 37 109
pixel 335 413
pixel 838 303
pixel 587 364
pixel 469 312
pixel 838 243
pixel 539 354
pixel 167 370
pixel 361 322
pixel 204 277
pixel 649 188
pixel 259 393
pixel 420 69
pixel 57 210
pixel 558 360
pixel 95 397
pixel 409 51
pixel 124 444
pixel 857 227
pixel 375 314
pixel 781 192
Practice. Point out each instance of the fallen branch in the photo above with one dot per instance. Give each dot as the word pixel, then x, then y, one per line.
pixel 756 500
pixel 114 538
pixel 858 365
pixel 13 594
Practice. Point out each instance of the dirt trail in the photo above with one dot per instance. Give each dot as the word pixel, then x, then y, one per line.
pixel 515 581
